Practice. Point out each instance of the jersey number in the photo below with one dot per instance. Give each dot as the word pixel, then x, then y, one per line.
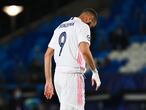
pixel 62 40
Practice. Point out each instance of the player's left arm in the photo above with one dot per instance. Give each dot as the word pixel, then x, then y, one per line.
pixel 48 90
pixel 84 37
pixel 85 50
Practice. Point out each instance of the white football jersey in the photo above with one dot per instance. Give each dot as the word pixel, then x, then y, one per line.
pixel 65 42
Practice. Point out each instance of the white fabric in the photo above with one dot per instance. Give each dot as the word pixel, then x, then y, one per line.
pixel 96 78
pixel 70 90
pixel 70 33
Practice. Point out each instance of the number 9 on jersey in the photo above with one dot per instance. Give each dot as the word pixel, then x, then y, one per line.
pixel 62 40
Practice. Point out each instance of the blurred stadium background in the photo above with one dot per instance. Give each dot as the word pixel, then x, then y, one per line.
pixel 118 46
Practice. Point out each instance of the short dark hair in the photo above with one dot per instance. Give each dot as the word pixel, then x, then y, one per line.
pixel 91 11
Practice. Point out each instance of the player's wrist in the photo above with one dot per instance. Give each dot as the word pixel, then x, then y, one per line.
pixel 95 71
pixel 95 76
pixel 48 80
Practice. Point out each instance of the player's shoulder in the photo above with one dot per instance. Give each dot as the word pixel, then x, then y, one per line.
pixel 80 24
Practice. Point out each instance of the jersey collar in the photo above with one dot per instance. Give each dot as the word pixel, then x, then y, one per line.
pixel 75 18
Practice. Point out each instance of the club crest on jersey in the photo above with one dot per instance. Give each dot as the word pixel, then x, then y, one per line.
pixel 88 37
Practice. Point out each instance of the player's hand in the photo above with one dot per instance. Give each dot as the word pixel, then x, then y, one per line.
pixel 96 79
pixel 48 90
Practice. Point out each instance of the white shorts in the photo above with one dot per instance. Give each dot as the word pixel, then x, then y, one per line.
pixel 70 90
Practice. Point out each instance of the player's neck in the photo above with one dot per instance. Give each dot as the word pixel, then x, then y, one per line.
pixel 82 18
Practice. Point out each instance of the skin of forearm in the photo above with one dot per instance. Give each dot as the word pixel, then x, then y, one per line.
pixel 48 65
pixel 85 50
pixel 89 60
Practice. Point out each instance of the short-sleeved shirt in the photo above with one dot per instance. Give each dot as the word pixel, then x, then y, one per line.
pixel 65 42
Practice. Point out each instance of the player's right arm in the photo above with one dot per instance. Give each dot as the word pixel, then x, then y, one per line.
pixel 48 90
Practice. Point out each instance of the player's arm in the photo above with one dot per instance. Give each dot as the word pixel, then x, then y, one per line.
pixel 48 90
pixel 85 50
pixel 48 63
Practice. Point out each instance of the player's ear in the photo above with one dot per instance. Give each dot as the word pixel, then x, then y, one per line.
pixel 89 19
pixel 86 19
